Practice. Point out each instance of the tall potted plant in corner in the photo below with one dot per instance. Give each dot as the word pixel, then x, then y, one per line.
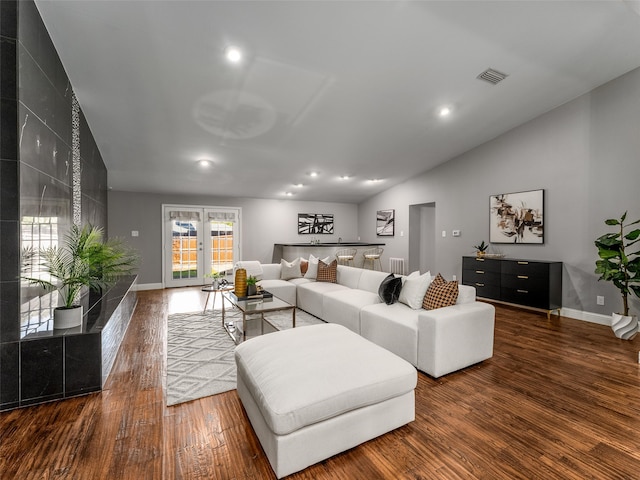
pixel 83 259
pixel 622 267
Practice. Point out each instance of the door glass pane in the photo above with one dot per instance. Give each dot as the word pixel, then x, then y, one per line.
pixel 184 263
pixel 221 246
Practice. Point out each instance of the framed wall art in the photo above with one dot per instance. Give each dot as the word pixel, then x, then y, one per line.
pixel 385 223
pixel 315 223
pixel 517 217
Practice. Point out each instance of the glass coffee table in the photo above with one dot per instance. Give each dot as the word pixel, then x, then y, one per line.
pixel 253 307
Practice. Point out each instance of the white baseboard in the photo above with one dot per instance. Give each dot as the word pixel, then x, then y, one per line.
pixel 149 286
pixel 586 316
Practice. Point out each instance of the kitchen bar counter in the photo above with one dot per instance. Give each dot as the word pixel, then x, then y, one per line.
pixel 291 251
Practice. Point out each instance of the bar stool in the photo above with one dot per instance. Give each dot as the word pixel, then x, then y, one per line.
pixel 371 255
pixel 346 256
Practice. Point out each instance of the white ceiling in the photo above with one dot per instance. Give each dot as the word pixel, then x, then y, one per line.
pixel 339 87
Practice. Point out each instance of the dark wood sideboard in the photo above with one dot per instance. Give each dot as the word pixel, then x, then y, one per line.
pixel 528 283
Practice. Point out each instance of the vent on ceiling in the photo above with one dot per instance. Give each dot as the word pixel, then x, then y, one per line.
pixel 492 76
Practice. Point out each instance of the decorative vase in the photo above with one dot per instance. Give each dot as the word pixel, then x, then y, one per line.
pixel 67 317
pixel 624 327
pixel 480 254
pixel 241 282
pixel 252 290
pixel 215 284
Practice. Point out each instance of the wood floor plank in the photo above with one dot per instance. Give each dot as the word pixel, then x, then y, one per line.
pixel 560 399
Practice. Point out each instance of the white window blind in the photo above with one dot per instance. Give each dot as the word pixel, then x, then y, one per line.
pixel 184 215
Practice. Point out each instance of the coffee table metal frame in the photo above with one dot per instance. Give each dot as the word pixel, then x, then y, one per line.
pixel 254 307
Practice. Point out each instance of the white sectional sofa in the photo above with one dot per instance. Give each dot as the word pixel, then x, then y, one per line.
pixel 436 342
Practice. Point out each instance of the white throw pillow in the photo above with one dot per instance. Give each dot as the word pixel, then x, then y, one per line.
pixel 414 289
pixel 289 270
pixel 312 271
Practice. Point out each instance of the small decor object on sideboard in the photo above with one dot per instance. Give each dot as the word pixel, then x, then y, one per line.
pixel 621 267
pixel 481 248
pixel 83 260
pixel 385 220
pixel 517 217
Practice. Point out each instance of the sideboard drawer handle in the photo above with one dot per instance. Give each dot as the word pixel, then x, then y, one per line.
pixel 480 272
pixel 479 284
pixel 479 259
pixel 523 276
pixel 523 263
pixel 522 291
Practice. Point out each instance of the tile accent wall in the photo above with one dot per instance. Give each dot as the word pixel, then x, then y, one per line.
pixel 43 191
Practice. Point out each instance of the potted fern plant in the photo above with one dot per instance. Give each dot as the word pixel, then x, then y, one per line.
pixel 621 266
pixel 83 259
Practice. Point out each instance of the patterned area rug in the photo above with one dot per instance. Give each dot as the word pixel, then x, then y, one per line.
pixel 200 360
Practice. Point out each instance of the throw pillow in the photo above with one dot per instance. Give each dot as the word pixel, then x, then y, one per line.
pixel 414 289
pixel 290 270
pixel 328 272
pixel 304 265
pixel 440 294
pixel 389 289
pixel 312 270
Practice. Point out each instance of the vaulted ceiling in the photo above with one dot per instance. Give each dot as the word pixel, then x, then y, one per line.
pixel 336 87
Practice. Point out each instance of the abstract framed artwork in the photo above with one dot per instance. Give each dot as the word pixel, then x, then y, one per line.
pixel 315 223
pixel 385 223
pixel 517 217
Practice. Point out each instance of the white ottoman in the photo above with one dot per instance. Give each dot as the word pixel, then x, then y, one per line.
pixel 312 392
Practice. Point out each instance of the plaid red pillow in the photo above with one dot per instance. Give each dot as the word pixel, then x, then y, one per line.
pixel 440 294
pixel 327 273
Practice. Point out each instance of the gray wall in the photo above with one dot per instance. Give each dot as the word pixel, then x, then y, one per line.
pixel 264 222
pixel 584 154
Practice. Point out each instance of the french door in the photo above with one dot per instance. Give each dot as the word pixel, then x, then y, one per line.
pixel 198 241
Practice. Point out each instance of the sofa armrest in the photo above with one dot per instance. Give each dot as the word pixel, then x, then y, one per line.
pixel 455 337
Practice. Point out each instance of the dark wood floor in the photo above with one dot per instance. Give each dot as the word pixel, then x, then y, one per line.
pixel 560 399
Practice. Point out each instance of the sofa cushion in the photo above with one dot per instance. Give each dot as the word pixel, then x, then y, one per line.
pixel 349 276
pixel 389 289
pixel 414 289
pixel 440 294
pixel 309 296
pixel 394 327
pixel 289 270
pixel 282 289
pixel 370 280
pixel 344 306
pixel 327 272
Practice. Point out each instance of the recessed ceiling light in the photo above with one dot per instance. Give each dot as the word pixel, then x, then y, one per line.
pixel 288 194
pixel 298 185
pixel 375 180
pixel 444 111
pixel 344 177
pixel 205 162
pixel 233 54
pixel 313 174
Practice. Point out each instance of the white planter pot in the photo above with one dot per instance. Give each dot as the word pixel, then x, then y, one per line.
pixel 623 326
pixel 67 317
